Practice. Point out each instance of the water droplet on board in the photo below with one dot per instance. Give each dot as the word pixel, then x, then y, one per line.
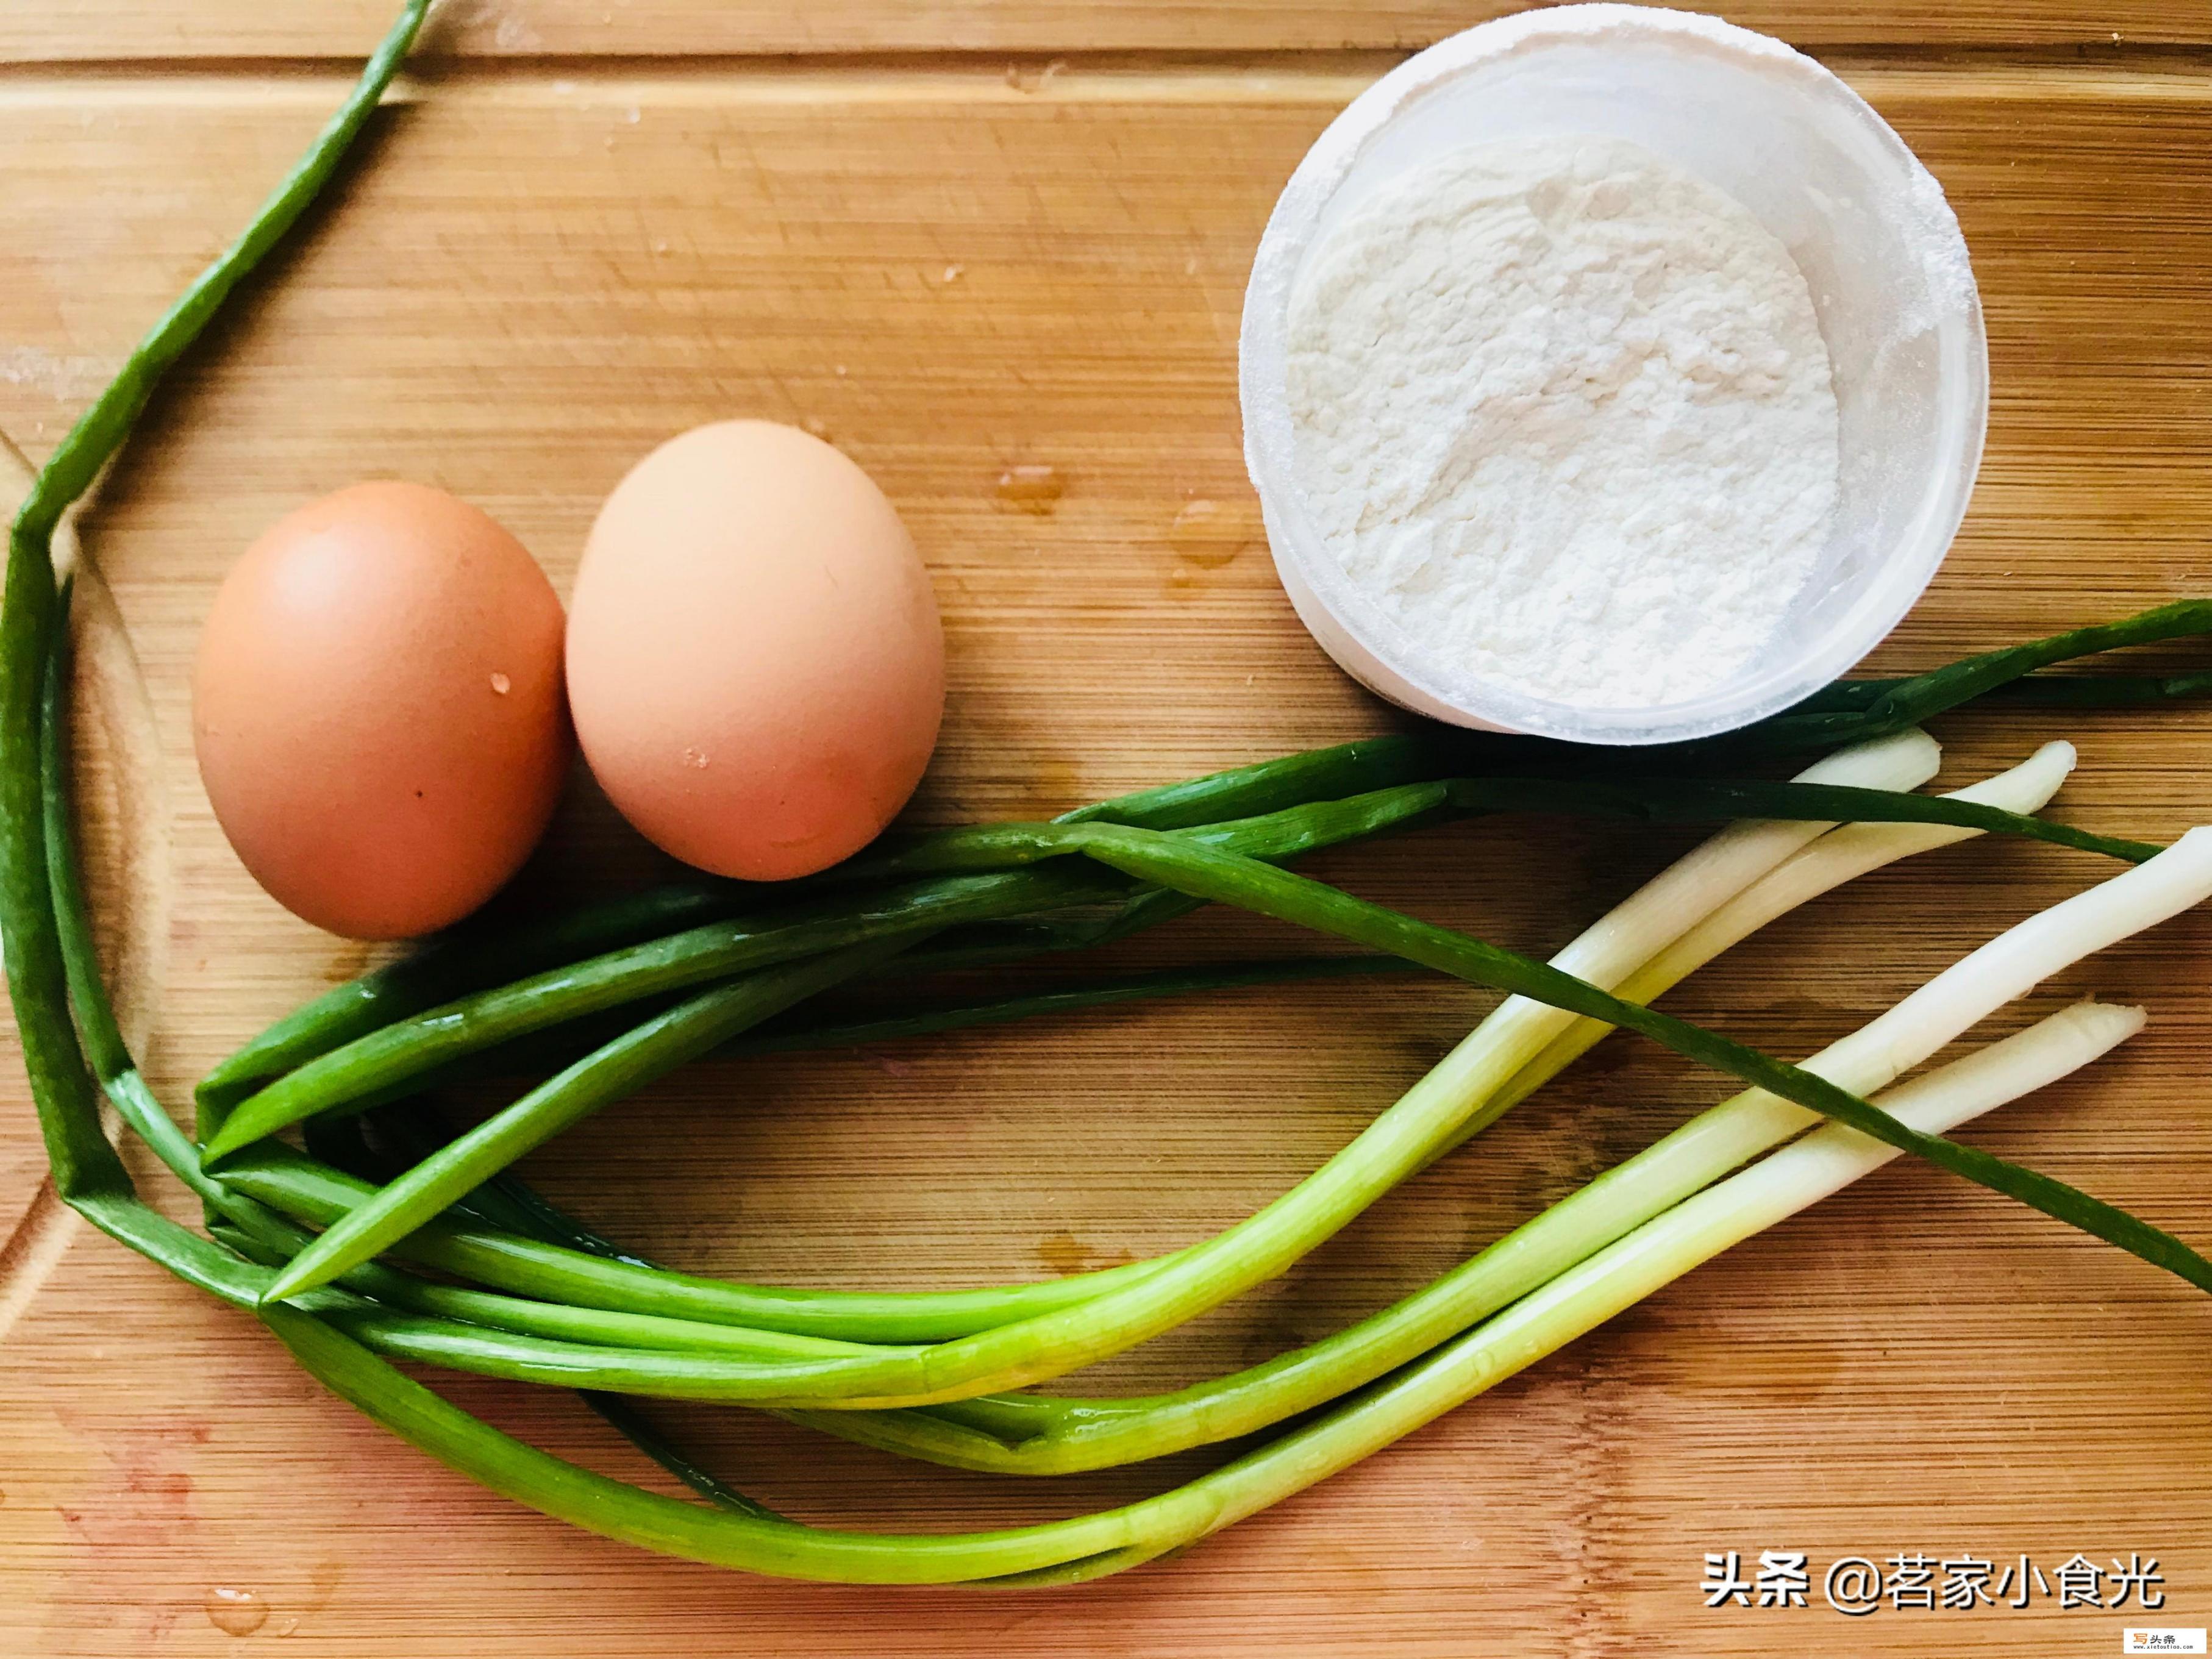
pixel 1211 533
pixel 1032 487
pixel 501 683
pixel 952 273
pixel 1062 1253
pixel 1033 77
pixel 236 1612
pixel 817 426
pixel 323 1581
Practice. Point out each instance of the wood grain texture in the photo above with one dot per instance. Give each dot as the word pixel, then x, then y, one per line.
pixel 538 275
pixel 100 31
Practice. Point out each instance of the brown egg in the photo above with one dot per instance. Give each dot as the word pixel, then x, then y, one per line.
pixel 755 661
pixel 378 711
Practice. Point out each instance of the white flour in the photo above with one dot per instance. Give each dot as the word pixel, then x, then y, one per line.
pixel 1570 418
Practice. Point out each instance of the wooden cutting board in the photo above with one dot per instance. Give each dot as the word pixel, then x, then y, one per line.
pixel 588 224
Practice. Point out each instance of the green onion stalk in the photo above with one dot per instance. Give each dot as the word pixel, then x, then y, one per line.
pixel 1660 910
pixel 1991 976
pixel 325 1200
pixel 698 968
pixel 1616 946
pixel 736 1533
pixel 1396 1144
pixel 447 1176
pixel 1362 1423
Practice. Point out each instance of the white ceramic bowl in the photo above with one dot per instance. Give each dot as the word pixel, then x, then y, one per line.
pixel 1865 223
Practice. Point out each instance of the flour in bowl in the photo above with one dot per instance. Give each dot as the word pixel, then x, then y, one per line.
pixel 1569 421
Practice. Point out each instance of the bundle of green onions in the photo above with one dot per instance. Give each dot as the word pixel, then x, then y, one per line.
pixel 391 1239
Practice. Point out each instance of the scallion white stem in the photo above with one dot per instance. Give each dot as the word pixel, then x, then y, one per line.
pixel 1464 1084
pixel 1828 861
pixel 1702 1226
pixel 1654 1255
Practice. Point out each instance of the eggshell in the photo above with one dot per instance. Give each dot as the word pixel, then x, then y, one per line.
pixel 755 665
pixel 378 709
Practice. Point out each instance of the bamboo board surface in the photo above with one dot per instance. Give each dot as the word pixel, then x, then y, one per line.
pixel 541 269
pixel 107 30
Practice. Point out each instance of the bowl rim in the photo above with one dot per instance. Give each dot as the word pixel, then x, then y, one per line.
pixel 1367 642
